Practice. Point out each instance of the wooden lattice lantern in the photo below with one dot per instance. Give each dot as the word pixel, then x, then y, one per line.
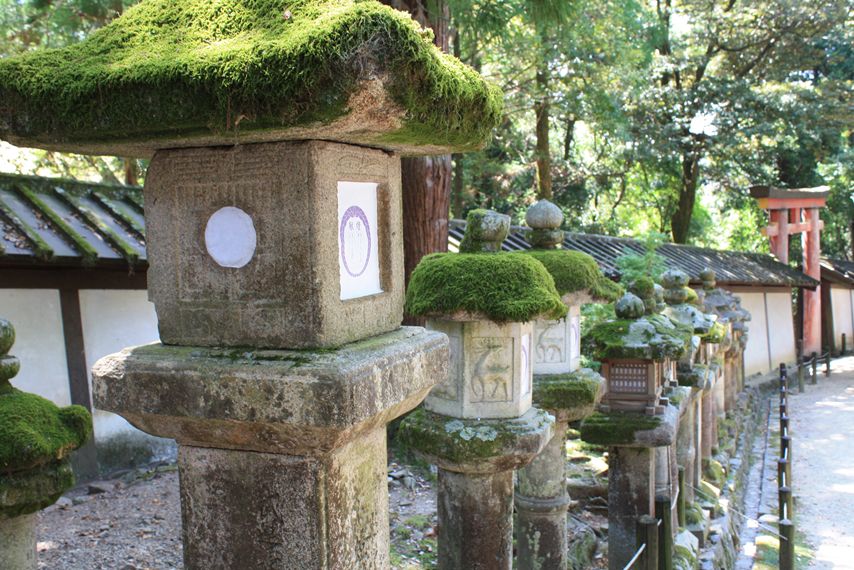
pixel 637 350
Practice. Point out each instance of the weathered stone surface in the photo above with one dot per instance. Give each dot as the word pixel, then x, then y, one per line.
pixel 485 231
pixel 265 511
pixel 476 512
pixel 477 446
pixel 491 372
pixel 18 543
pixel 291 402
pixel 631 494
pixel 541 504
pixel 287 293
pixel 544 215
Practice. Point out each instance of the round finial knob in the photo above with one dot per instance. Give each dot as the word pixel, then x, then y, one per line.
pixel 629 306
pixel 7 336
pixel 545 219
pixel 544 215
pixel 708 277
pixel 485 231
pixel 9 365
pixel 675 281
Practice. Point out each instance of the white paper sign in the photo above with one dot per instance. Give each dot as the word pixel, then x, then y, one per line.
pixel 230 237
pixel 358 259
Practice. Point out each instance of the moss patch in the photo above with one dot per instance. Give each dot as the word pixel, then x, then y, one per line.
pixel 575 271
pixel 616 428
pixel 169 69
pixel 31 491
pixel 653 337
pixel 461 441
pixel 34 431
pixel 576 390
pixel 501 287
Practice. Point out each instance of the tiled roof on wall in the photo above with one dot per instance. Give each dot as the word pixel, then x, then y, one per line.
pixel 731 267
pixel 62 222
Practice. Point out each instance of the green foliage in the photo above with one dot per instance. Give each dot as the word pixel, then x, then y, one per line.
pixel 497 286
pixel 167 69
pixel 575 271
pixel 650 265
pixel 34 431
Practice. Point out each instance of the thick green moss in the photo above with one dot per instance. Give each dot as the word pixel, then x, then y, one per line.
pixel 501 287
pixel 34 431
pixel 575 271
pixel 28 492
pixel 170 69
pixel 616 428
pixel 567 391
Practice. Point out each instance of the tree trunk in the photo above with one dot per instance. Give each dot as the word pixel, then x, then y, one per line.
pixel 426 180
pixel 458 203
pixel 681 220
pixel 541 108
pixel 131 171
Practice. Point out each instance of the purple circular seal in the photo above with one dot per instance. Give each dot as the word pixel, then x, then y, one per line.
pixel 355 239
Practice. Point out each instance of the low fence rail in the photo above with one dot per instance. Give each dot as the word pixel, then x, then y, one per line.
pixel 785 501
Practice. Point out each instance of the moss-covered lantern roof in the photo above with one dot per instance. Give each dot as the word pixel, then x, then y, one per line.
pixel 484 284
pixel 704 325
pixel 634 334
pixel 202 73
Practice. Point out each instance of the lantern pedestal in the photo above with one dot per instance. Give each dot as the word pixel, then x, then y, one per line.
pixel 632 441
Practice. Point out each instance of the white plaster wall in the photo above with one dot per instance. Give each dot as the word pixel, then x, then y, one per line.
pixel 756 352
pixel 39 344
pixel 781 328
pixel 113 320
pixel 843 316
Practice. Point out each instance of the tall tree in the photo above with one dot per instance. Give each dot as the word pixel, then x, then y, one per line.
pixel 426 180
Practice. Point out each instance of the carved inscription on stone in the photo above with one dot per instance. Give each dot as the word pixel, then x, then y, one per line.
pixel 527 372
pixel 491 378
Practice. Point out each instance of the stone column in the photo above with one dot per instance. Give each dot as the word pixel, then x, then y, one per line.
pixel 631 494
pixel 686 437
pixel 277 273
pixel 480 425
pixel 708 427
pixel 18 543
pixel 566 392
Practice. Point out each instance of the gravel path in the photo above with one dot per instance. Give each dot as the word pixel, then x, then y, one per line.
pixel 822 424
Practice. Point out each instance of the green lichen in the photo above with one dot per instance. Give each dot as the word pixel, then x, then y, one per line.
pixel 650 337
pixel 462 441
pixel 500 287
pixel 576 390
pixel 575 271
pixel 169 69
pixel 694 515
pixel 714 472
pixel 34 431
pixel 616 428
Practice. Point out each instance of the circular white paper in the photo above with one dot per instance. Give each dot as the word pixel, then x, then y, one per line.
pixel 230 237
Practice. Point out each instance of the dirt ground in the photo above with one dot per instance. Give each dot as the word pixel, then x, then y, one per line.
pixel 822 426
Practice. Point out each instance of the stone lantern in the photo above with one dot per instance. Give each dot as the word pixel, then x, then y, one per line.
pixel 635 422
pixel 636 354
pixel 479 425
pixel 561 387
pixel 36 441
pixel 275 242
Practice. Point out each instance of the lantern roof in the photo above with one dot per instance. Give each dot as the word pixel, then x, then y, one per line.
pixel 200 73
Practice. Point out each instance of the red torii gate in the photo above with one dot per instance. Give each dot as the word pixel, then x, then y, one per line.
pixel 796 211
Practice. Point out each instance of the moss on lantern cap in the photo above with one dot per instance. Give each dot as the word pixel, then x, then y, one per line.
pixel 630 335
pixel 575 271
pixel 200 72
pixel 502 287
pixel 33 430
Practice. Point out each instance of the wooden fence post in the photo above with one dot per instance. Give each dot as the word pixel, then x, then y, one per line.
pixel 665 534
pixel 814 358
pixel 648 535
pixel 787 543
